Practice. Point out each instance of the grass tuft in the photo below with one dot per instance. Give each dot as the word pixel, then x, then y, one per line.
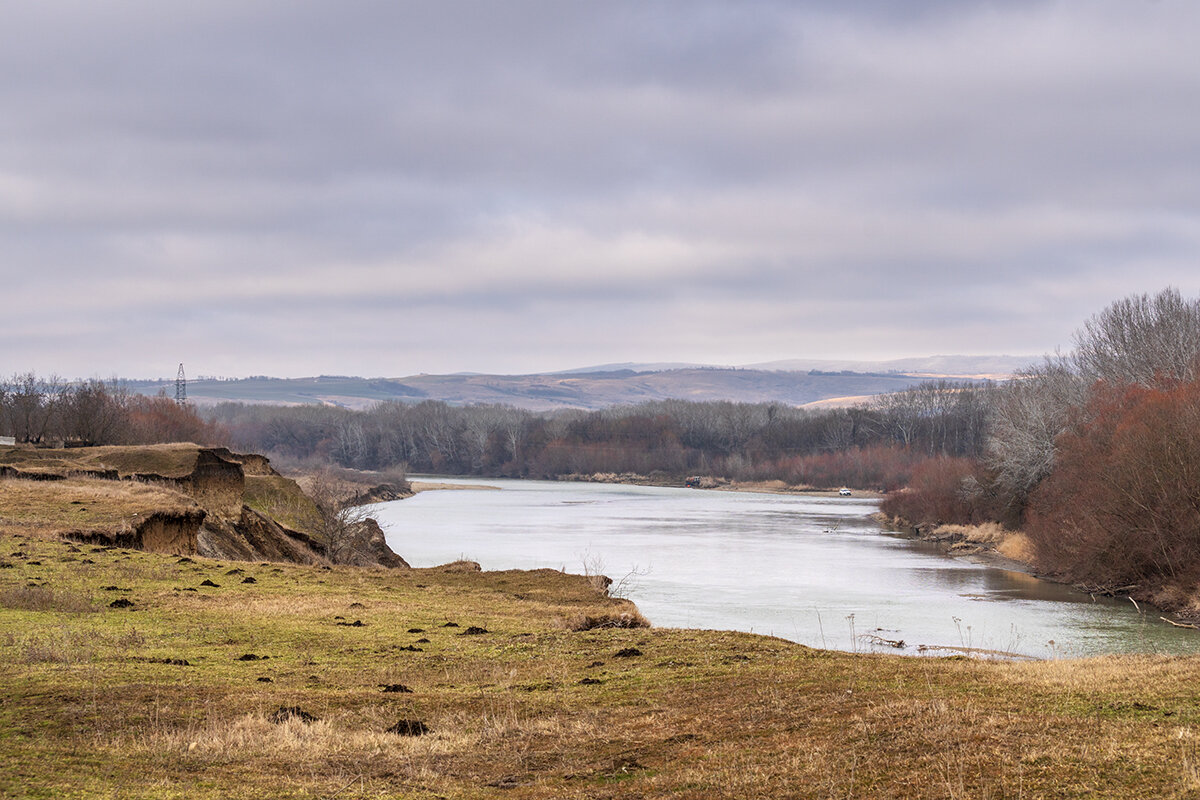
pixel 588 622
pixel 44 598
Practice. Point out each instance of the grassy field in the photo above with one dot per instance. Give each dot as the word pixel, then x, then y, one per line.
pixel 51 508
pixel 126 674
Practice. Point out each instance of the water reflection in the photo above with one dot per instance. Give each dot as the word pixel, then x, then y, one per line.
pixel 815 570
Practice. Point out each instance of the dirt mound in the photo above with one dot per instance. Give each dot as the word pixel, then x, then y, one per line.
pixel 255 537
pixel 368 547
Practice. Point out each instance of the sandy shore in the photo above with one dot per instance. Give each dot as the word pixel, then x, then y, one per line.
pixel 427 486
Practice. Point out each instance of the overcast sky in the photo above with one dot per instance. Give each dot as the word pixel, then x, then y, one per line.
pixel 386 188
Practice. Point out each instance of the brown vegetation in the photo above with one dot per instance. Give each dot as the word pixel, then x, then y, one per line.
pixel 161 700
pixel 1120 508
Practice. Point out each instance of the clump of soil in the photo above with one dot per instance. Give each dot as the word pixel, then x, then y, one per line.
pixel 587 622
pixel 284 713
pixel 358 623
pixel 265 679
pixel 409 727
pixel 590 681
pixel 252 657
pixel 121 602
pixel 410 648
pixel 628 652
pixel 207 582
pixel 416 630
pixel 249 579
pixel 422 640
pixel 450 625
pixel 395 687
pixel 474 630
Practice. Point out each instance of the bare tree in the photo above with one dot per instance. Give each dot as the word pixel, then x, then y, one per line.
pixel 1141 339
pixel 33 406
pixel 1029 413
pixel 93 412
pixel 339 522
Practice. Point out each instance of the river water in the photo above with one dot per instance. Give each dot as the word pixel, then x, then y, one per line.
pixel 815 570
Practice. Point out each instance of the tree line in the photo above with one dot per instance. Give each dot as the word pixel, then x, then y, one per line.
pixel 44 411
pixel 874 445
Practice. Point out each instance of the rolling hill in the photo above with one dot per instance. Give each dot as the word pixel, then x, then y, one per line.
pixel 793 383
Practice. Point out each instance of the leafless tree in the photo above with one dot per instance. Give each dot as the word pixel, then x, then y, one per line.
pixel 32 406
pixel 93 412
pixel 339 522
pixel 1141 339
pixel 1029 413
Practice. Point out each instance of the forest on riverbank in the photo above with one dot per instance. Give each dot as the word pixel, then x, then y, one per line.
pixel 1095 455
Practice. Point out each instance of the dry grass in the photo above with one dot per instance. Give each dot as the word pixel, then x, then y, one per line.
pixel 101 705
pixel 51 508
pixel 33 597
pixel 587 622
pixel 282 499
pixel 989 533
pixel 1013 545
pixel 1018 547
pixel 167 460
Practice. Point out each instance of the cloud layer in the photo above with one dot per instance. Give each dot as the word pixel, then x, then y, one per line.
pixel 385 188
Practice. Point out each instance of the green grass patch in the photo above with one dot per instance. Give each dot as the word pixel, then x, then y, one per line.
pixel 178 694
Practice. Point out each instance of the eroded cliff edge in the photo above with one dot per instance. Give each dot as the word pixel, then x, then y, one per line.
pixel 183 499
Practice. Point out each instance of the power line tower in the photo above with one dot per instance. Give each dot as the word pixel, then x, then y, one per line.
pixel 180 387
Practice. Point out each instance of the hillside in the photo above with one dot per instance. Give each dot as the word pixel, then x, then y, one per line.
pixel 180 499
pixel 601 387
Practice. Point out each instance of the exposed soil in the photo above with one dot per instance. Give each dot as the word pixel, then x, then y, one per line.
pixel 285 713
pixel 409 727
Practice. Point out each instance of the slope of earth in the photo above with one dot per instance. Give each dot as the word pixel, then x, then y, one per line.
pixel 141 675
pixel 177 498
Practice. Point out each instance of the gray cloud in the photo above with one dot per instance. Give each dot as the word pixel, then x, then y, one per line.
pixel 385 188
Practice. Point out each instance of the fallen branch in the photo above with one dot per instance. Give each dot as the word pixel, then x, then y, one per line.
pixel 1180 624
pixel 896 643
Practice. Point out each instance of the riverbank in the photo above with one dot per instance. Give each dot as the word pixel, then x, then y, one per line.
pixel 142 675
pixel 1014 550
pixel 1011 548
pixel 440 486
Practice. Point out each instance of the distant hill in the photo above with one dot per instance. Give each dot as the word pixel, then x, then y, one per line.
pixel 793 383
pixel 940 366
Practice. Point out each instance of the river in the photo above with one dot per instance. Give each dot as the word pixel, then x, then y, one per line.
pixel 813 569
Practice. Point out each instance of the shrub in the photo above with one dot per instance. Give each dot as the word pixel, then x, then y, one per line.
pixel 939 493
pixel 1121 506
pixel 587 622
